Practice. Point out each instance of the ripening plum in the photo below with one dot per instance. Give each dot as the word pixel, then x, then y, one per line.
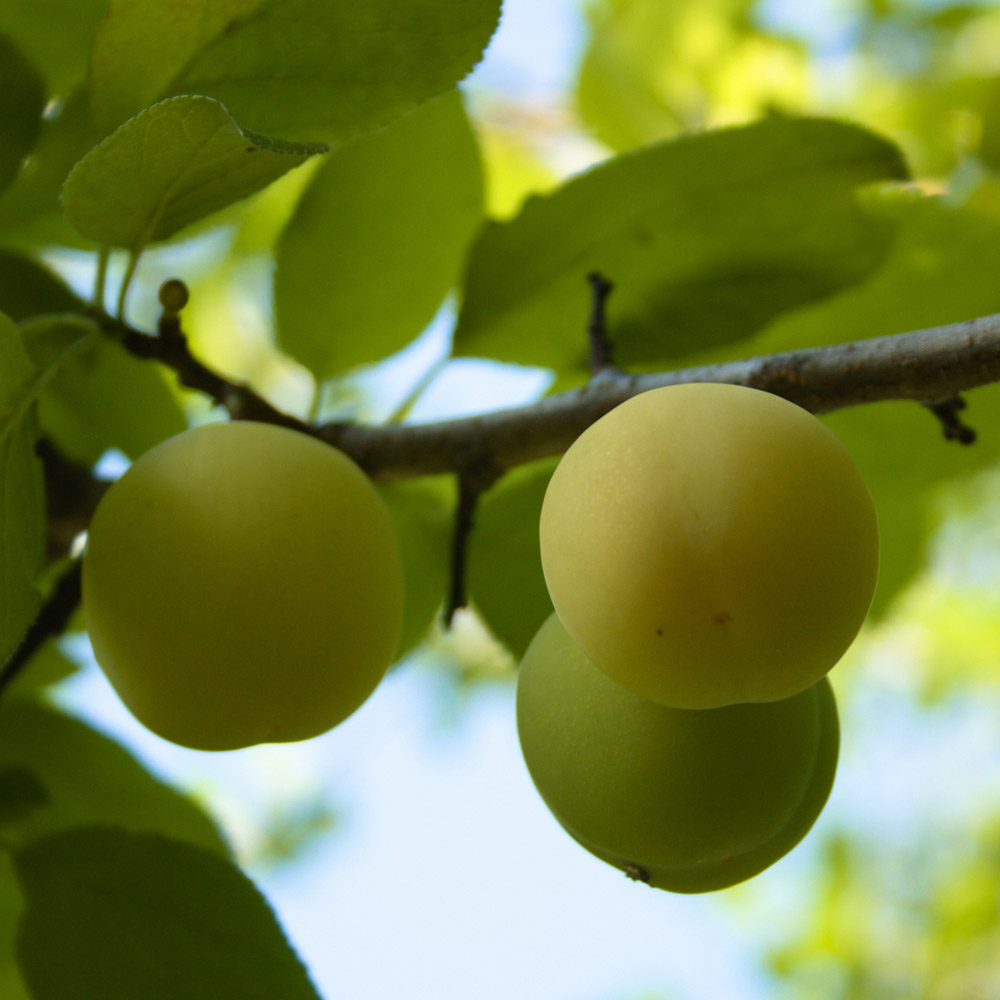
pixel 709 544
pixel 686 800
pixel 242 584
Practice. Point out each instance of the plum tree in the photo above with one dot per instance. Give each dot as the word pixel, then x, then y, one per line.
pixel 709 544
pixel 689 801
pixel 242 584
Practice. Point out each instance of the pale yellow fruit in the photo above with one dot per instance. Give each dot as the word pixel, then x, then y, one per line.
pixel 709 544
pixel 689 801
pixel 242 584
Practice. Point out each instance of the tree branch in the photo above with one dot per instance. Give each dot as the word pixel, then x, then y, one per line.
pixel 926 366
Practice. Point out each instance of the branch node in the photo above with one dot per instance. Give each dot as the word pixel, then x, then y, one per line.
pixel 952 426
pixel 601 354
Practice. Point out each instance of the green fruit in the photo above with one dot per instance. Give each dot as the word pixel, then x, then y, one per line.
pixel 688 801
pixel 710 544
pixel 242 584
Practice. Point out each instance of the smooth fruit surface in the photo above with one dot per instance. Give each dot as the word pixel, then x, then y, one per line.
pixel 242 584
pixel 689 801
pixel 710 544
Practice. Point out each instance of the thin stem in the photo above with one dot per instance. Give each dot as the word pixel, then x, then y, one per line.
pixel 316 400
pixel 422 384
pixel 133 263
pixel 601 354
pixel 101 277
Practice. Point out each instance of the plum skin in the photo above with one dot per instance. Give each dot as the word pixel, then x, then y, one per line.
pixel 242 584
pixel 709 544
pixel 687 800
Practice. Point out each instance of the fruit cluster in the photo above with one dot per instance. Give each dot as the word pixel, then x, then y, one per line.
pixel 711 552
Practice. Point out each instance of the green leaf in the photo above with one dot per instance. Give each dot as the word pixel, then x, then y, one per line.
pixel 11 985
pixel 55 34
pixel 652 69
pixel 111 915
pixel 315 70
pixel 171 165
pixel 21 794
pixel 28 288
pixel 31 214
pixel 423 518
pixel 378 239
pixel 91 779
pixel 504 569
pixel 98 396
pixel 48 666
pixel 20 109
pixel 707 238
pixel 22 501
pixel 940 271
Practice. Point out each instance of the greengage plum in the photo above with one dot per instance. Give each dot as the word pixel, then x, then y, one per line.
pixel 686 800
pixel 242 584
pixel 709 544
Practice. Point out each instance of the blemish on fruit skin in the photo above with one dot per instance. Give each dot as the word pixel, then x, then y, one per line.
pixel 722 618
pixel 636 873
pixel 659 631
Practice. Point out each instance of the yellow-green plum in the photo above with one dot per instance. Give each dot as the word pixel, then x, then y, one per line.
pixel 686 800
pixel 242 584
pixel 710 544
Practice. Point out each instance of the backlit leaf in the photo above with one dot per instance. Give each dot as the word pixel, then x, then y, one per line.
pixel 313 70
pixel 22 502
pixel 378 239
pixel 171 165
pixel 706 238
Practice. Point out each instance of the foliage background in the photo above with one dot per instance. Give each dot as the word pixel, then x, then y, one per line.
pixel 406 852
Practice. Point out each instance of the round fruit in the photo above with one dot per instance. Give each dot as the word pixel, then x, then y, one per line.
pixel 709 544
pixel 689 801
pixel 242 584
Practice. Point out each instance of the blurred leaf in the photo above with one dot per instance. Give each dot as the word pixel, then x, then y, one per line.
pixel 11 985
pixel 55 34
pixel 422 515
pixel 378 239
pixel 171 165
pixel 20 110
pixel 652 68
pixel 314 70
pixel 21 794
pixel 91 779
pixel 98 396
pixel 48 666
pixel 513 170
pixel 940 271
pixel 28 288
pixel 30 211
pixel 504 562
pixel 139 915
pixel 707 238
pixel 22 500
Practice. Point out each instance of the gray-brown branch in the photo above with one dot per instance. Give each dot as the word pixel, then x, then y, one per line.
pixel 924 366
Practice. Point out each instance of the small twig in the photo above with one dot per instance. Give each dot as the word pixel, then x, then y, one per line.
pixel 52 621
pixel 170 348
pixel 601 355
pixel 472 484
pixel 954 429
pixel 935 363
